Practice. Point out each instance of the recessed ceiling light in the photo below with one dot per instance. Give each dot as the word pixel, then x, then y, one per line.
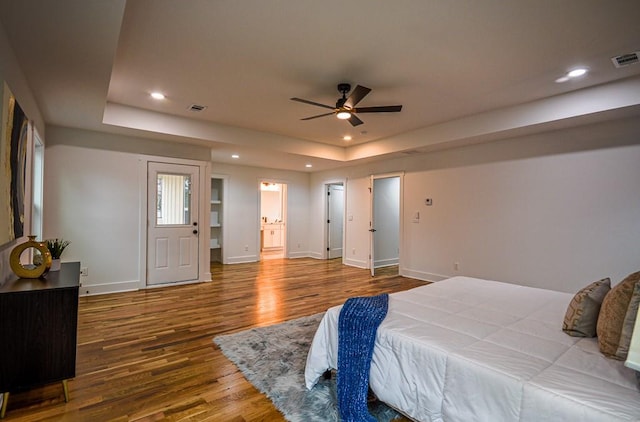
pixel 235 156
pixel 308 165
pixel 572 74
pixel 577 72
pixel 158 95
pixel 347 137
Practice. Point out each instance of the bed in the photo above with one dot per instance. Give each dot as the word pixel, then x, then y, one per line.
pixel 466 349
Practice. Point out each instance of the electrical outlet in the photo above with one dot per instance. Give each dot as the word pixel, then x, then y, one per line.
pixel 246 248
pixel 353 251
pixel 84 271
pixel 456 266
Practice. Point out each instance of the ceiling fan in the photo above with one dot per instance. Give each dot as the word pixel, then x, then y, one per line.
pixel 345 108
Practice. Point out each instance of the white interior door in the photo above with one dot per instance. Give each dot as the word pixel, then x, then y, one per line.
pixel 335 220
pixel 372 230
pixel 384 225
pixel 172 244
pixel 386 213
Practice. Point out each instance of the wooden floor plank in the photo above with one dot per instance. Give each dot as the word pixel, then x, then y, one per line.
pixel 149 356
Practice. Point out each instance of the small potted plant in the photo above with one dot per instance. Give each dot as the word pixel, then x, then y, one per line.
pixel 56 247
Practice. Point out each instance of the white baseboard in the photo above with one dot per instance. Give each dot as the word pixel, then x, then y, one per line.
pixel 241 259
pixel 129 286
pixel 87 289
pixel 356 263
pixel 386 262
pixel 314 255
pixel 295 255
pixel 421 275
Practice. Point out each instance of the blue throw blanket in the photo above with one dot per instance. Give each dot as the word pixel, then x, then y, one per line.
pixel 357 326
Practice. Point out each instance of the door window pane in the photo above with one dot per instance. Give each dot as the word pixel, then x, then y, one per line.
pixel 173 199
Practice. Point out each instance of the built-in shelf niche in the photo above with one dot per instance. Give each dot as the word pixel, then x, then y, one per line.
pixel 216 218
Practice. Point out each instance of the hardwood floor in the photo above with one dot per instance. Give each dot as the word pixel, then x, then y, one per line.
pixel 149 355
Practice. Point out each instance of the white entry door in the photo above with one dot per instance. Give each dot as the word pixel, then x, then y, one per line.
pixel 172 244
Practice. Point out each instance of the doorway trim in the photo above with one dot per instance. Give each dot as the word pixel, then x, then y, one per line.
pixel 204 193
pixel 373 177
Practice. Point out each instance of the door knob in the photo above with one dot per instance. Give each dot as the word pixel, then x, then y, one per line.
pixel 195 232
pixel 372 230
pixel 195 223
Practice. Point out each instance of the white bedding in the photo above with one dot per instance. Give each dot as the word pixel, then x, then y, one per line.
pixel 465 349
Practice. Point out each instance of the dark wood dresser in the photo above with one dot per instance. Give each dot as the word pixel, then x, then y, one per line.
pixel 38 331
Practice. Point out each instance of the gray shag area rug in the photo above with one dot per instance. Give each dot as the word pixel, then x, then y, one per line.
pixel 273 360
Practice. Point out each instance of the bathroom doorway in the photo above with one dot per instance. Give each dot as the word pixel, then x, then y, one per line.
pixel 273 213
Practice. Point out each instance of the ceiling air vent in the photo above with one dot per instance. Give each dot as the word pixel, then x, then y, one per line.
pixel 196 108
pixel 625 59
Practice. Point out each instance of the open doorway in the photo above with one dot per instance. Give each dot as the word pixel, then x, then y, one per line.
pixel 273 212
pixel 385 224
pixel 335 219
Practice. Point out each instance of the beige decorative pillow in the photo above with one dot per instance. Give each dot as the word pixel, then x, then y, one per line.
pixel 629 323
pixel 581 317
pixel 612 317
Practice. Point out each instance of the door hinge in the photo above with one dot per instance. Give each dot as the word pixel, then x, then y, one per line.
pixel 328 249
pixel 328 221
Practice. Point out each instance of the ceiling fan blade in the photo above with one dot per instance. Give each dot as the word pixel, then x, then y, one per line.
pixel 354 120
pixel 379 109
pixel 319 115
pixel 300 100
pixel 357 95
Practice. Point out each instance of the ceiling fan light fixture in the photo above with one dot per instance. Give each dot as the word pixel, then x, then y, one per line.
pixel 343 115
pixel 345 108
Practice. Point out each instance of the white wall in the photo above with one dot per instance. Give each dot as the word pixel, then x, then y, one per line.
pixel 271 205
pixel 555 210
pixel 242 211
pixel 92 198
pixel 555 222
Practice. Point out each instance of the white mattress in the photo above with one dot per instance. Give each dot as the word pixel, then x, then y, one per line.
pixel 465 349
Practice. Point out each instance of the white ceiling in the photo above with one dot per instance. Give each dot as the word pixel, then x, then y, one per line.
pixel 461 69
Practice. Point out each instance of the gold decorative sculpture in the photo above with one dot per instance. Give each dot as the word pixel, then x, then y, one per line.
pixel 41 259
